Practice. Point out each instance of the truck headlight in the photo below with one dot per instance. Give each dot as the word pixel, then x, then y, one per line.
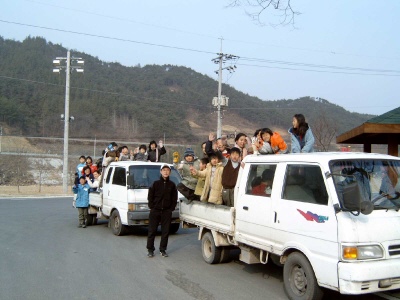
pixel 362 252
pixel 137 206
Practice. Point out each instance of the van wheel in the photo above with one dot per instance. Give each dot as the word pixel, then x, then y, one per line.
pixel 173 228
pixel 211 253
pixel 299 279
pixel 116 225
pixel 225 255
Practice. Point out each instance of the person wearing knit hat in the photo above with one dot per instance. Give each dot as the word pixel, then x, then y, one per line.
pixel 141 154
pixel 188 184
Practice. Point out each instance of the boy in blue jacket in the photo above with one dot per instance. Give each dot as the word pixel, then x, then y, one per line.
pixel 82 200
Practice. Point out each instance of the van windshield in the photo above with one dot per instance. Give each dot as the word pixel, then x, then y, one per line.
pixel 145 175
pixel 377 180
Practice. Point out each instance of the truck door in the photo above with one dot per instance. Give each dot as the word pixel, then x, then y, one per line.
pixel 304 218
pixel 117 196
pixel 106 190
pixel 254 214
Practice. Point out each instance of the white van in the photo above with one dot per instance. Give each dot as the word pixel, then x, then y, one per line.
pixel 123 198
pixel 331 219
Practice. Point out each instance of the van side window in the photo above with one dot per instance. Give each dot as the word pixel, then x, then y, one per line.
pixel 260 180
pixel 109 174
pixel 119 177
pixel 305 183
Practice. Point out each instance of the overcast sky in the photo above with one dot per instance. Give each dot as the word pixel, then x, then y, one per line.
pixel 346 52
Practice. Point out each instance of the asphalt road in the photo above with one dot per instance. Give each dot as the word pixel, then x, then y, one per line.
pixel 45 256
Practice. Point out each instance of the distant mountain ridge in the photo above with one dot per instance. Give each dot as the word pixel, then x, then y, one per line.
pixel 112 101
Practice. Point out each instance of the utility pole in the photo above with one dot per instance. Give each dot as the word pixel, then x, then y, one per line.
pixel 65 117
pixel 221 100
pixel 1 135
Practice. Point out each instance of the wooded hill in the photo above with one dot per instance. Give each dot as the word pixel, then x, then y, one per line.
pixel 111 101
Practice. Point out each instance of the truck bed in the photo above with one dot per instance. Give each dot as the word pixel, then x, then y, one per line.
pixel 95 199
pixel 216 217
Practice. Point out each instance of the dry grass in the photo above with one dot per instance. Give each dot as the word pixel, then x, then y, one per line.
pixel 29 190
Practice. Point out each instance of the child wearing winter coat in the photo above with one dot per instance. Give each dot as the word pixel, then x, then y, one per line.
pixel 201 180
pixel 212 191
pixel 82 200
pixel 141 155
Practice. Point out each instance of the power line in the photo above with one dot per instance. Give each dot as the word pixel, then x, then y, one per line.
pixel 107 37
pixel 320 71
pixel 317 65
pixel 102 92
pixel 242 58
pixel 331 52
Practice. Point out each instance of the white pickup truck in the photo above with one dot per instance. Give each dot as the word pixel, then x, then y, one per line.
pixel 123 199
pixel 331 219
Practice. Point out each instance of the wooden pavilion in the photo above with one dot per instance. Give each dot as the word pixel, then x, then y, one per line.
pixel 383 130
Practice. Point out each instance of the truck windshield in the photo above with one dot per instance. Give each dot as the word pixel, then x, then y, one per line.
pixel 377 180
pixel 145 175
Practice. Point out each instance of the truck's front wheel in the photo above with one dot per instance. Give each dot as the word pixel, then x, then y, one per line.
pixel 173 228
pixel 211 253
pixel 299 279
pixel 116 224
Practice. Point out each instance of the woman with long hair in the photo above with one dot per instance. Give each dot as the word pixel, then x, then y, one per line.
pixel 302 136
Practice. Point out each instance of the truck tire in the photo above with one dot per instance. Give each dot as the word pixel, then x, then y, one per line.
pixel 299 279
pixel 211 253
pixel 173 228
pixel 89 220
pixel 225 255
pixel 116 224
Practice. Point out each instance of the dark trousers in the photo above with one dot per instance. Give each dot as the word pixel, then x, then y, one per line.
pixel 185 191
pixel 156 217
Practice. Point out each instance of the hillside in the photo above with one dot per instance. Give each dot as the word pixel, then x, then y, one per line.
pixel 111 101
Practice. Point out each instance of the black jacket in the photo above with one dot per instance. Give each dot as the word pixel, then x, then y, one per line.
pixel 163 195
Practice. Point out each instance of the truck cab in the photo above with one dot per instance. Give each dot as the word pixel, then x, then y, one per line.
pixel 123 197
pixel 330 219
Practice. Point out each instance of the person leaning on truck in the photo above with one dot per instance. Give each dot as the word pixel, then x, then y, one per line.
pixel 162 199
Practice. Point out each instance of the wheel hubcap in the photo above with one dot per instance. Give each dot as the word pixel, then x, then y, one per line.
pixel 299 282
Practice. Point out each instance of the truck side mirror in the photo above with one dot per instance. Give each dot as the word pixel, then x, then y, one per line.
pixel 130 182
pixel 351 197
pixel 352 200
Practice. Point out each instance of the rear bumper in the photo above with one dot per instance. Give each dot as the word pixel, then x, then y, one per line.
pixel 142 217
pixel 365 277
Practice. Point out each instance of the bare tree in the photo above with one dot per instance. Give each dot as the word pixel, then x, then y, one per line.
pixel 324 130
pixel 257 8
pixel 19 171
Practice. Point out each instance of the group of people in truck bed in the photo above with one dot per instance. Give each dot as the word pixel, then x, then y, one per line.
pixel 213 178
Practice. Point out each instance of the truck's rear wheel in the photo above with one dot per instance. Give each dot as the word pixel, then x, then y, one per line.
pixel 211 253
pixel 116 224
pixel 299 279
pixel 173 228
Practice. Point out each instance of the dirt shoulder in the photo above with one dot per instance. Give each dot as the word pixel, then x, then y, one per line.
pixel 33 190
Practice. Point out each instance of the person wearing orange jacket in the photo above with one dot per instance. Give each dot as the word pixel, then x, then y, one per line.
pixel 273 143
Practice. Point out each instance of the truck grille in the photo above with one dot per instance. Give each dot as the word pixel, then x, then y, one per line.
pixel 394 250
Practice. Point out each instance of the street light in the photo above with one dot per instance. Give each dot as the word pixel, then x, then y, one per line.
pixel 58 66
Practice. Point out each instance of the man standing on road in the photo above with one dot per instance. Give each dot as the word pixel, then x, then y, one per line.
pixel 162 200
